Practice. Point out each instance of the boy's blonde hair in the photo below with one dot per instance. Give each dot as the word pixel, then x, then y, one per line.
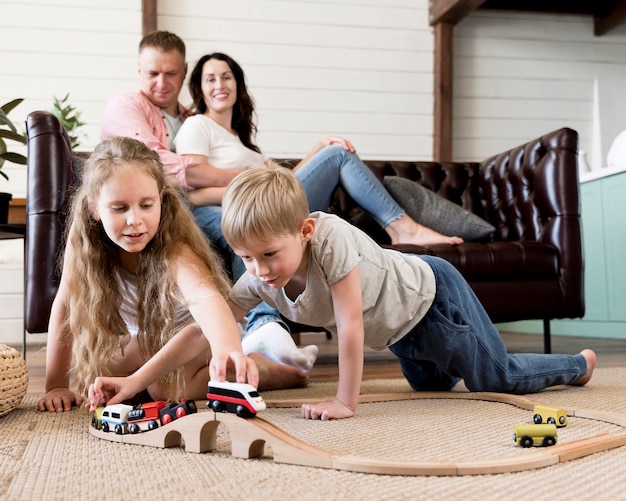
pixel 262 204
pixel 94 322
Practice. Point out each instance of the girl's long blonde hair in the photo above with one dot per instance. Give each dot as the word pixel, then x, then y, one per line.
pixel 93 319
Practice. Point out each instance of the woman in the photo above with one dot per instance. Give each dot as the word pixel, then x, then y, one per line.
pixel 221 134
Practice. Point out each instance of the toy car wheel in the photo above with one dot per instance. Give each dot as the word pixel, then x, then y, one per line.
pixel 119 430
pixel 152 425
pixel 537 419
pixel 181 412
pixel 551 420
pixel 94 421
pixel 105 427
pixel 133 428
pixel 243 412
pixel 562 420
pixel 526 442
pixel 209 404
pixel 191 406
pixel 217 406
pixel 166 419
pixel 547 441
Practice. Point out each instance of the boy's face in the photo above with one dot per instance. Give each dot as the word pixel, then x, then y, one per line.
pixel 277 261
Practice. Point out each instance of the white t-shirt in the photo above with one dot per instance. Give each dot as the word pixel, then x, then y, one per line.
pixel 200 135
pixel 397 288
pixel 127 283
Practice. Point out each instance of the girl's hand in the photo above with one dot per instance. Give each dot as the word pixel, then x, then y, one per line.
pixel 58 400
pixel 330 140
pixel 327 410
pixel 246 370
pixel 110 390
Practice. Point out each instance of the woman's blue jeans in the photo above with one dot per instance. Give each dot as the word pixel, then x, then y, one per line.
pixel 334 166
pixel 320 176
pixel 457 340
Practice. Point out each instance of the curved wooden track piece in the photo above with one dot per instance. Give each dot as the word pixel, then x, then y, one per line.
pixel 198 432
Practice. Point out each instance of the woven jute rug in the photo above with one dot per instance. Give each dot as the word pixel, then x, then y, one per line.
pixel 53 456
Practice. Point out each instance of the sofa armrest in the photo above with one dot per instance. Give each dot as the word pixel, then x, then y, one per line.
pixel 49 177
pixel 531 193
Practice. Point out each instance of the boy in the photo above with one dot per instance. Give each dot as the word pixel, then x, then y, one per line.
pixel 317 269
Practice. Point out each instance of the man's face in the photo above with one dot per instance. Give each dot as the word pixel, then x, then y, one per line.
pixel 161 76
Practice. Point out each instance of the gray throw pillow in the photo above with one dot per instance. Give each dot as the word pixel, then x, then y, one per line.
pixel 436 212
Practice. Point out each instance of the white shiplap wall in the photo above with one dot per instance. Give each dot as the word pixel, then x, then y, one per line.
pixel 361 69
pixel 518 75
pixel 358 68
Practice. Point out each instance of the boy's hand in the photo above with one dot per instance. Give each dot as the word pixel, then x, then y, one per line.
pixel 59 400
pixel 327 410
pixel 111 390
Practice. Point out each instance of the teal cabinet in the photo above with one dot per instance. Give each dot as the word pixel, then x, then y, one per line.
pixel 603 210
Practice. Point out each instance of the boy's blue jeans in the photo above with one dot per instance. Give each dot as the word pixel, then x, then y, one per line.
pixel 457 340
pixel 330 167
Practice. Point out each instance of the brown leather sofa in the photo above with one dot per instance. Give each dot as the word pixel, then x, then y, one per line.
pixel 532 267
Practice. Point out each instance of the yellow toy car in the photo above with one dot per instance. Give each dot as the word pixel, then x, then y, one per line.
pixel 538 435
pixel 550 415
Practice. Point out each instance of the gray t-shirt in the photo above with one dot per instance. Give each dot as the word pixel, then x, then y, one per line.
pixel 397 288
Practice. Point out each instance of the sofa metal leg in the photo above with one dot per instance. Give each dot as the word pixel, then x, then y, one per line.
pixel 547 348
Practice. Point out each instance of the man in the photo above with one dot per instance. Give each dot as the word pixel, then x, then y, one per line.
pixel 152 114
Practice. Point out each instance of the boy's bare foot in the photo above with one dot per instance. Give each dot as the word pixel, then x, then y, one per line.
pixel 273 376
pixel 590 357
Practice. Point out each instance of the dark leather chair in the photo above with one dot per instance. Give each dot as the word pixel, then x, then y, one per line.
pixel 532 268
pixel 48 189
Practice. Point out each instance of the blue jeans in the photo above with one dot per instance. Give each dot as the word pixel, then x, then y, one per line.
pixel 334 166
pixel 457 340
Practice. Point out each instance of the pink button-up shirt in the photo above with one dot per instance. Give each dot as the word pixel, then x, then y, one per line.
pixel 132 114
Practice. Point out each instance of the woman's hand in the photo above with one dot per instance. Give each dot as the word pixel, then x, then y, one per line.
pixel 111 390
pixel 327 410
pixel 331 140
pixel 59 400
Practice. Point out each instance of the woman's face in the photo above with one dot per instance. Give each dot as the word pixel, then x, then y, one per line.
pixel 219 87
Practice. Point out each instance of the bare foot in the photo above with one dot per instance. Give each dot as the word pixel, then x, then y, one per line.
pixel 273 376
pixel 407 231
pixel 590 357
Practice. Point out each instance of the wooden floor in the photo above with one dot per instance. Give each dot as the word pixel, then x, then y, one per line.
pixel 382 364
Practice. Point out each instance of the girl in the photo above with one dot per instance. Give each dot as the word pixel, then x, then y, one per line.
pixel 141 293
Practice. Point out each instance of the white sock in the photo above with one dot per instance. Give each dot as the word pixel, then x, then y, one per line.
pixel 274 342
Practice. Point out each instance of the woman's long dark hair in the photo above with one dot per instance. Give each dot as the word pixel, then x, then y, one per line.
pixel 243 111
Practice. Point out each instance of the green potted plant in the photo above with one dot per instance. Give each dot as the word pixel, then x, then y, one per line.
pixel 8 131
pixel 69 117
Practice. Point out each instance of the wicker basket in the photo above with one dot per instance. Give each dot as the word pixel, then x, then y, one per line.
pixel 13 379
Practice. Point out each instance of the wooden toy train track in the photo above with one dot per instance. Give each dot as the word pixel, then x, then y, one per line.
pixel 198 432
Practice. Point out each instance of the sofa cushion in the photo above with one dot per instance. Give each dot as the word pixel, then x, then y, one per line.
pixel 496 261
pixel 436 212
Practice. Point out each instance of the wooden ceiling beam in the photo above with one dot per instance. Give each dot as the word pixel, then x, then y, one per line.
pixel 148 16
pixel 451 11
pixel 615 16
pixel 443 15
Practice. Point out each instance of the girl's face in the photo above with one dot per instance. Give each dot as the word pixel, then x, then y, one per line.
pixel 219 87
pixel 129 207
